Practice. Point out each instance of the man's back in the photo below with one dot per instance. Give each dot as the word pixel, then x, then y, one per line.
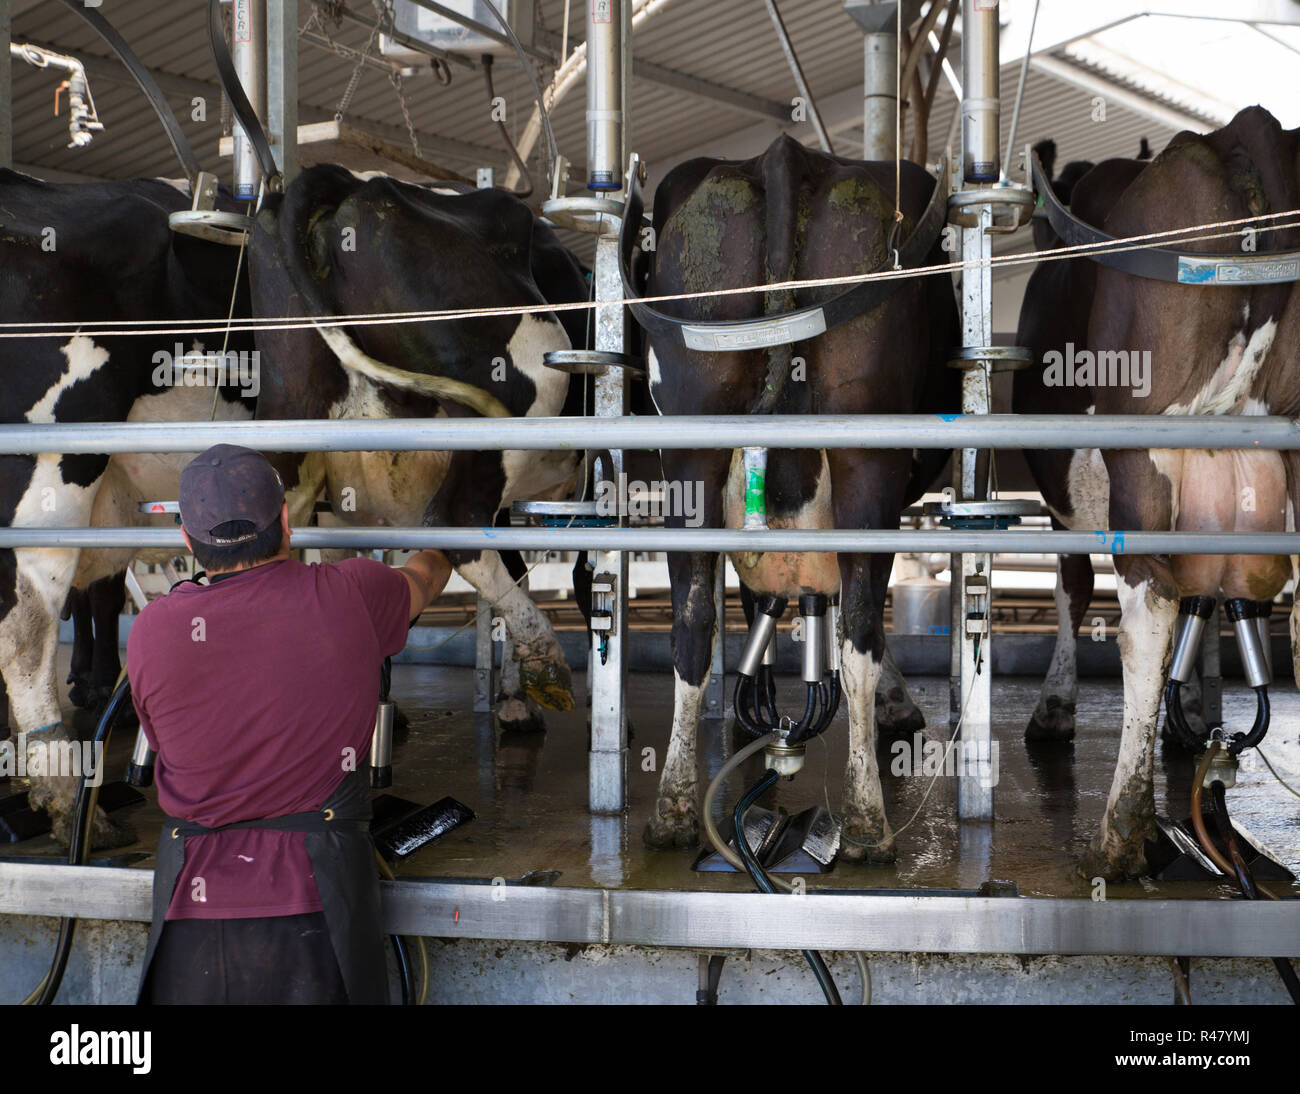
pixel 259 693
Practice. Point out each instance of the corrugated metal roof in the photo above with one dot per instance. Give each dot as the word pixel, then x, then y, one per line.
pixel 727 42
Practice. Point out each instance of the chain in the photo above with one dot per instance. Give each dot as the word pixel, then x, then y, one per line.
pixel 395 78
pixel 355 78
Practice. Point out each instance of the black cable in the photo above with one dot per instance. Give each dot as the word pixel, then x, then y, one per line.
pixel 79 844
pixel 403 967
pixel 1246 880
pixel 527 190
pixel 764 883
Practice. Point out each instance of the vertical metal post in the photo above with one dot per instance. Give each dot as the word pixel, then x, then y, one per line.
pixel 282 84
pixel 607 59
pixel 973 573
pixel 248 40
pixel 715 693
pixel 483 690
pixel 879 96
pixel 6 89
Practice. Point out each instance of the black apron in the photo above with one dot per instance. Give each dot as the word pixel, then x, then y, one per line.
pixel 342 856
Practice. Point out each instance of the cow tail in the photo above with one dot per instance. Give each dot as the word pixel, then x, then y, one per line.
pixel 782 179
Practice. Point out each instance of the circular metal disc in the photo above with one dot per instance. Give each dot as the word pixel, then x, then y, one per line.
pixel 596 216
pixel 213 225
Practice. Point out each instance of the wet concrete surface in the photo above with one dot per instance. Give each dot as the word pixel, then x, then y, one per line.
pixel 530 792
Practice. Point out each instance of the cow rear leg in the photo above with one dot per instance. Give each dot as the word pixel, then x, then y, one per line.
pixel 897 714
pixel 77 609
pixel 544 674
pixel 1053 718
pixel 866 835
pixel 1149 607
pixel 29 645
pixel 675 820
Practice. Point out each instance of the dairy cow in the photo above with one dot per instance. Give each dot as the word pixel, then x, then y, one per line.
pixel 85 255
pixel 338 243
pixel 1212 350
pixel 794 213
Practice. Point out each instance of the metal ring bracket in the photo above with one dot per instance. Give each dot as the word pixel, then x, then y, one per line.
pixel 591 362
pixel 213 225
pixel 997 358
pixel 579 213
pixel 1012 207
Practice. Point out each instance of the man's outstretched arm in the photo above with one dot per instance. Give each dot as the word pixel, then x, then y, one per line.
pixel 427 573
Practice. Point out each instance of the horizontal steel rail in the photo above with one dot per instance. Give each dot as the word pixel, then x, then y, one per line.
pixel 704 539
pixel 908 923
pixel 651 432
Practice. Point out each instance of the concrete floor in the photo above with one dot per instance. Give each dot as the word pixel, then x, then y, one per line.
pixel 529 793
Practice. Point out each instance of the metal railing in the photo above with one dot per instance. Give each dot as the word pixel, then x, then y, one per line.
pixel 905 431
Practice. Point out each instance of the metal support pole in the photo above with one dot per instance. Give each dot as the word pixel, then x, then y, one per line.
pixel 249 48
pixel 484 692
pixel 878 22
pixel 282 84
pixel 880 96
pixel 973 572
pixel 607 60
pixel 715 693
pixel 6 89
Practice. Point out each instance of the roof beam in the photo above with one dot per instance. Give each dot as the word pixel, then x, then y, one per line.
pixel 1115 92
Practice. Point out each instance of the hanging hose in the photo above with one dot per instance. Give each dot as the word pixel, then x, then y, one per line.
pixel 527 190
pixel 764 882
pixel 79 845
pixel 400 944
pixel 1236 868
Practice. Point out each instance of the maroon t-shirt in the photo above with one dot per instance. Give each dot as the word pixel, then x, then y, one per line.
pixel 258 693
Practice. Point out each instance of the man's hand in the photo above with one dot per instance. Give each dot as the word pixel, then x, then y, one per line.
pixel 427 573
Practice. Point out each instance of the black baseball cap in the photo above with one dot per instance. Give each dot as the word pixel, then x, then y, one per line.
pixel 228 483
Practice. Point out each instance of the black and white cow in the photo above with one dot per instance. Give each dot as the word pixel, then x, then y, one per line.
pixel 1212 350
pixel 794 213
pixel 338 243
pixel 88 254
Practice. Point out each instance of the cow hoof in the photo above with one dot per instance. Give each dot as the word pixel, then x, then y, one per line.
pixel 673 826
pixel 548 684
pixel 1117 862
pixel 80 694
pixel 897 715
pixel 1053 720
pixel 867 842
pixel 105 833
pixel 514 716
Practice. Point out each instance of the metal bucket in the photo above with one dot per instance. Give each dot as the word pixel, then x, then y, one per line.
pixel 920 606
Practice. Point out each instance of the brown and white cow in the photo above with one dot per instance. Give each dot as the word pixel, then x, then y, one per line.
pixel 1212 350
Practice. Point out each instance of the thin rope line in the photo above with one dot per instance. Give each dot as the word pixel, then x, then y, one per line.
pixel 129 328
